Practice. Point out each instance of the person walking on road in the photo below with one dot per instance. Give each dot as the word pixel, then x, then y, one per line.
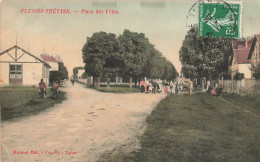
pixel 55 88
pixel 154 84
pixel 42 88
pixel 72 81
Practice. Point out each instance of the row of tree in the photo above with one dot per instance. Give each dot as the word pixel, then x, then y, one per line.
pixel 129 55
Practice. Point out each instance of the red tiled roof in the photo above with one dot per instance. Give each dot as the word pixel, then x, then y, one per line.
pixel 242 50
pixel 48 58
pixel 242 55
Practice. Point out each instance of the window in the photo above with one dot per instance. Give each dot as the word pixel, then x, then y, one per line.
pixel 12 67
pixel 16 71
pixel 12 75
pixel 19 67
pixel 19 75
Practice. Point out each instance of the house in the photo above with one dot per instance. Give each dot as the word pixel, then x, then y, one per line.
pixel 254 55
pixel 20 67
pixel 51 61
pixel 239 61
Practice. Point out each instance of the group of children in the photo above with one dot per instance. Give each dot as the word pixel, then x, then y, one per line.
pixel 156 86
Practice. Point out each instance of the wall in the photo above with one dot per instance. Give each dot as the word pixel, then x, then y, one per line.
pixel 54 66
pixel 4 73
pixel 32 73
pixel 246 85
pixel 245 68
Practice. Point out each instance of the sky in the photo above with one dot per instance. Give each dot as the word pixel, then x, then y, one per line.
pixel 162 21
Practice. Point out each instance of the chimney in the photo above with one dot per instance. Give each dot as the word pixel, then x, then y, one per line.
pixel 246 44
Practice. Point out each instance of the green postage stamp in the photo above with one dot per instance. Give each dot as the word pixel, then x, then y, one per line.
pixel 220 19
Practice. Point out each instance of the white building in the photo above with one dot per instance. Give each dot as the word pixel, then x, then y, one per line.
pixel 19 67
pixel 51 61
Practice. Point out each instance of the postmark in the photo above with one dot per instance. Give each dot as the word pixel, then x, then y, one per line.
pixel 220 19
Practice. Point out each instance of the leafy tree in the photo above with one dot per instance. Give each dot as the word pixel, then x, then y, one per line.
pixel 156 66
pixel 63 70
pixel 84 75
pixel 239 76
pixel 55 76
pixel 136 50
pixel 170 72
pixel 256 71
pixel 204 56
pixel 76 70
pixel 96 52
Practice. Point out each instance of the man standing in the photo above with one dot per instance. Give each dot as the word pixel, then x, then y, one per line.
pixel 154 84
pixel 42 88
pixel 108 83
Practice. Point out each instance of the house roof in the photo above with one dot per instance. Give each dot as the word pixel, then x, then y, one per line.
pixel 241 49
pixel 48 58
pixel 26 52
pixel 256 39
pixel 242 56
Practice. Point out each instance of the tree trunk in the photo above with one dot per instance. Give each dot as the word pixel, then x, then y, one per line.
pixel 203 83
pixel 130 82
pixel 93 81
pixel 98 81
pixel 222 82
pixel 135 82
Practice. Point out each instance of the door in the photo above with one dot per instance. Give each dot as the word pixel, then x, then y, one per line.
pixel 16 74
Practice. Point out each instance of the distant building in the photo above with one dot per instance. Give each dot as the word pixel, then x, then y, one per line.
pixel 51 61
pixel 57 57
pixel 19 67
pixel 240 62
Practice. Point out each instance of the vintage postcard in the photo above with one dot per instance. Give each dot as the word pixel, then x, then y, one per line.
pixel 129 80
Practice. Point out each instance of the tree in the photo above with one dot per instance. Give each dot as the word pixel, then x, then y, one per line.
pixel 59 75
pixel 76 70
pixel 170 72
pixel 84 75
pixel 96 52
pixel 204 56
pixel 256 71
pixel 239 76
pixel 128 55
pixel 136 50
pixel 155 66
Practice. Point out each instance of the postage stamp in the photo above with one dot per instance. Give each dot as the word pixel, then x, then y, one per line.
pixel 220 19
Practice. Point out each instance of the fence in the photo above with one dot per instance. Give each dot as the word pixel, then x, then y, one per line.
pixel 235 86
pixel 103 82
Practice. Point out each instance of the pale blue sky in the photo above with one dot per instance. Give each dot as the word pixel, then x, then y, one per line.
pixel 65 34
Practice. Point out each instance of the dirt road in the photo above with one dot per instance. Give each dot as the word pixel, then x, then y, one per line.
pixel 86 125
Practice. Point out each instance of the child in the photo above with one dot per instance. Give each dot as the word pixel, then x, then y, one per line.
pixel 166 88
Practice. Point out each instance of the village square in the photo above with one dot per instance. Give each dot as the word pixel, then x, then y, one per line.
pixel 131 93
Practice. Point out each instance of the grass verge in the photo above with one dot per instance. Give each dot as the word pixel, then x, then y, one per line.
pixel 117 89
pixel 199 127
pixel 17 102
